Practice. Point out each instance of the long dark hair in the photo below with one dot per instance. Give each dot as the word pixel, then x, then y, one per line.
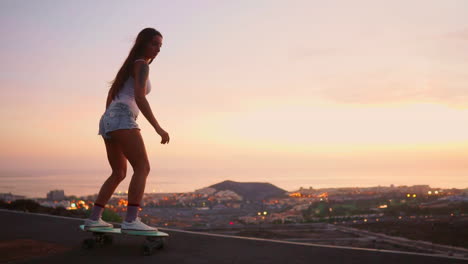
pixel 138 49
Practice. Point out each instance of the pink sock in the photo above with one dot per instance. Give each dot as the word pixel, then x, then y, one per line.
pixel 97 212
pixel 132 212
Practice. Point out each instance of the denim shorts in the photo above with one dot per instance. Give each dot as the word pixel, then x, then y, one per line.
pixel 117 116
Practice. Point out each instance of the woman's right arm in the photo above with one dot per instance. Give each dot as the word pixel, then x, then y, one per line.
pixel 141 70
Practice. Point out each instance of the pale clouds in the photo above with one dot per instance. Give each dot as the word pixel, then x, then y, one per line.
pixel 461 34
pixel 404 86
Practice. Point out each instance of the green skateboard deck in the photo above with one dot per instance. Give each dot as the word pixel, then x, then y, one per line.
pixel 102 236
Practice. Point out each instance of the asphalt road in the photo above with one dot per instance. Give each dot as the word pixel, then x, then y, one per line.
pixel 184 247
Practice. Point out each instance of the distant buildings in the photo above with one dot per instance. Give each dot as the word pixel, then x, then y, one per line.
pixel 227 195
pixel 56 195
pixel 205 192
pixel 9 197
pixel 357 193
pixel 445 201
pixel 55 204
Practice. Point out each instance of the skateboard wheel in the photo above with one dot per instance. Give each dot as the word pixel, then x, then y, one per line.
pixel 88 243
pixel 162 243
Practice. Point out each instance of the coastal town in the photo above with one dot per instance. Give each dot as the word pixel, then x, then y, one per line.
pixel 216 208
pixel 264 210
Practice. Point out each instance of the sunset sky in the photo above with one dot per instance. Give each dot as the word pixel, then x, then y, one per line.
pixel 295 93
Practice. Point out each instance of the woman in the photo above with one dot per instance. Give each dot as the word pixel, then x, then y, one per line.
pixel 121 133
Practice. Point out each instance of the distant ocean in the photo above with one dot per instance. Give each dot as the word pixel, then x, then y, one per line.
pixel 36 184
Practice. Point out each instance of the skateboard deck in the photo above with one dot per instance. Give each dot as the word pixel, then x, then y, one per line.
pixel 102 236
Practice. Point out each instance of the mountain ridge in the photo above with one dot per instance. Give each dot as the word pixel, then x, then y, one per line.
pixel 253 191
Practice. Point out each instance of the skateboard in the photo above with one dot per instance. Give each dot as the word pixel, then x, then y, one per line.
pixel 101 237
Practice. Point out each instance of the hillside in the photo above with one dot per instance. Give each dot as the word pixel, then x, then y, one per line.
pixel 253 191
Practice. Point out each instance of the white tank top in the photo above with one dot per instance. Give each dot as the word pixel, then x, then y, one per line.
pixel 127 94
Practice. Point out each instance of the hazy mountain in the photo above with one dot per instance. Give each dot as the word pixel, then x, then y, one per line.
pixel 251 190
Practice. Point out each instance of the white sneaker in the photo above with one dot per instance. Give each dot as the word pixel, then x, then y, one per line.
pixel 89 223
pixel 136 225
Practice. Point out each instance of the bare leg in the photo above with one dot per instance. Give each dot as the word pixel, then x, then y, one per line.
pixel 108 188
pixel 137 186
pixel 118 163
pixel 133 148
